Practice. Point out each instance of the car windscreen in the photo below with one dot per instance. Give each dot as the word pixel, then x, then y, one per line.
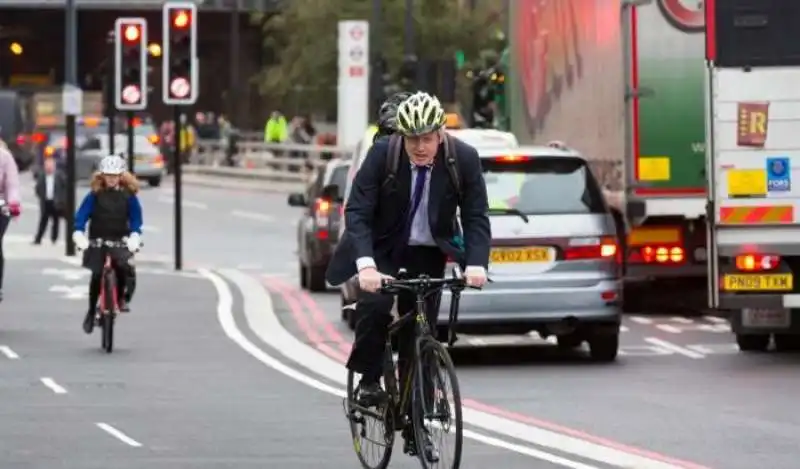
pixel 339 177
pixel 542 185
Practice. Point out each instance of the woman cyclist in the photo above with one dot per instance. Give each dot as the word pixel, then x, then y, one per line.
pixel 114 212
pixel 9 193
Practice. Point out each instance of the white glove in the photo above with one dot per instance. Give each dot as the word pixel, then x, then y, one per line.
pixel 369 279
pixel 134 242
pixel 79 238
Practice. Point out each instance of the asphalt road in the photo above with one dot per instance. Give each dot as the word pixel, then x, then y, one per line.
pixel 200 381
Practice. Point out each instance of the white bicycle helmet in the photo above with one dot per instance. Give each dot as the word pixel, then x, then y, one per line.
pixel 420 114
pixel 112 164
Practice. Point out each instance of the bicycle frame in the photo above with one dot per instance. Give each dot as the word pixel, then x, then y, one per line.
pixel 107 268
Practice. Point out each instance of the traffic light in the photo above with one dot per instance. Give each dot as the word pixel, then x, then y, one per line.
pixel 130 67
pixel 180 80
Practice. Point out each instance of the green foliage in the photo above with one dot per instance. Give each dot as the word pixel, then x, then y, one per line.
pixel 303 39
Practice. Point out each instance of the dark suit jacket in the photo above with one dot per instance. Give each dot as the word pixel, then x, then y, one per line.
pixel 376 211
pixel 59 189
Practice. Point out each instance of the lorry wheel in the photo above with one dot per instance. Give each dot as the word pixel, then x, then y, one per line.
pixel 752 342
pixel 787 343
pixel 604 347
pixel 316 278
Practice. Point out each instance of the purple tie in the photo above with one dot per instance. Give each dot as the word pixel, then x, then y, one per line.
pixel 419 187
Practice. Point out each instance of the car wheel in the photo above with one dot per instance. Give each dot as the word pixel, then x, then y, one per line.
pixel 604 347
pixel 787 343
pixel 303 276
pixel 154 182
pixel 752 342
pixel 569 341
pixel 316 278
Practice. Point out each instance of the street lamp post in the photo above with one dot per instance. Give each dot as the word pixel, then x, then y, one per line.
pixel 70 78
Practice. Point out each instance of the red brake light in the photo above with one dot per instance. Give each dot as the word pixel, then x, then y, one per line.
pixel 591 248
pixel 512 159
pixel 662 254
pixel 756 262
pixel 37 138
pixel 21 139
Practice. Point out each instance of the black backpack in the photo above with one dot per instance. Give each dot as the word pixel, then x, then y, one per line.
pixel 450 159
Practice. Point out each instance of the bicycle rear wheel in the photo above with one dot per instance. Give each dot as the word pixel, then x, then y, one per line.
pixel 436 406
pixel 373 437
pixel 109 311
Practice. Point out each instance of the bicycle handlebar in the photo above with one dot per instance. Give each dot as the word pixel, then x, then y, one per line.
pixel 424 283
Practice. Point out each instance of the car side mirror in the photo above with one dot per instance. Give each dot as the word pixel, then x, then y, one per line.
pixel 297 199
pixel 331 192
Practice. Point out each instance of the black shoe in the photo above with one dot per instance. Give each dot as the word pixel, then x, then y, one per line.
pixel 123 307
pixel 88 322
pixel 410 447
pixel 369 394
pixel 37 242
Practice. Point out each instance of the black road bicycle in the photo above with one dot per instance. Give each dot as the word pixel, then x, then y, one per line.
pixel 422 388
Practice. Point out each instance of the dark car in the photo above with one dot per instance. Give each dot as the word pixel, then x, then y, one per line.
pixel 318 228
pixel 14 128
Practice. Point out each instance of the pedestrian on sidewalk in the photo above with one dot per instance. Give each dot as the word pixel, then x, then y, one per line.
pixel 51 189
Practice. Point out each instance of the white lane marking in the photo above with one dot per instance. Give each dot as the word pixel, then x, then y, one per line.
pixel 118 435
pixel 225 317
pixel 186 203
pixel 668 328
pixel 641 320
pixel 150 229
pixel 10 354
pixel 667 345
pixel 264 323
pixel 716 319
pixel 624 329
pixel 681 320
pixel 252 216
pixel 55 387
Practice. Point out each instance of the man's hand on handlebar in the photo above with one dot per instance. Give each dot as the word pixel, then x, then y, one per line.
pixel 370 280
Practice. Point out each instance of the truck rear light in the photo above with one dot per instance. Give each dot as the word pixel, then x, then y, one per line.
pixel 591 248
pixel 21 139
pixel 322 235
pixel 322 209
pixel 757 262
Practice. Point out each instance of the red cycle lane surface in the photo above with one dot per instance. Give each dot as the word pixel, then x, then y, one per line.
pixel 581 395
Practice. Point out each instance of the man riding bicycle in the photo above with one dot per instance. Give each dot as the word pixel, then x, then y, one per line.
pixel 114 211
pixel 409 221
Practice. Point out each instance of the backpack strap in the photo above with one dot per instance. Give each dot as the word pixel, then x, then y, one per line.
pixel 393 158
pixel 451 161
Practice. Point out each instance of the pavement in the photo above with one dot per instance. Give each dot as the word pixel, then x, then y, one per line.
pixel 228 364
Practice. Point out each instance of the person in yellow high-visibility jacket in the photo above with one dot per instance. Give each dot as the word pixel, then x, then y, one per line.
pixel 276 129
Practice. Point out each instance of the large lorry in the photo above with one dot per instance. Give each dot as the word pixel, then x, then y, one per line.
pixel 622 82
pixel 753 115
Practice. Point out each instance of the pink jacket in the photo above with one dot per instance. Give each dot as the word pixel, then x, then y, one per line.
pixel 9 177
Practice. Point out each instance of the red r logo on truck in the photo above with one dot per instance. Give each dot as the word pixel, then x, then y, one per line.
pixel 686 15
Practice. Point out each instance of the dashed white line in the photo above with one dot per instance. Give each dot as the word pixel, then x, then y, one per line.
pixel 10 354
pixel 55 387
pixel 668 328
pixel 252 216
pixel 185 203
pixel 641 320
pixel 682 320
pixel 118 435
pixel 673 347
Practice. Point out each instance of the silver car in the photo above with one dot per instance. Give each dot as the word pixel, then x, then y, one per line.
pixel 148 163
pixel 555 261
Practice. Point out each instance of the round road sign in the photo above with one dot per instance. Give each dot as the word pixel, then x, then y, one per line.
pixel 180 88
pixel 357 53
pixel 131 94
pixel 357 33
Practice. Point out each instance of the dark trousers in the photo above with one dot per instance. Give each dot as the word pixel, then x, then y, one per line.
pixel 47 212
pixel 374 313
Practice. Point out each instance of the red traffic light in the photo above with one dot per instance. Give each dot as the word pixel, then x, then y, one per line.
pixel 181 19
pixel 131 32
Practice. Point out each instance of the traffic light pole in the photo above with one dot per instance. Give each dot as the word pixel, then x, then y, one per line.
pixel 71 77
pixel 129 131
pixel 109 95
pixel 178 164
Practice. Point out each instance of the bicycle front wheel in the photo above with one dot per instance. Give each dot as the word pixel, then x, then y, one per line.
pixel 109 311
pixel 436 408
pixel 371 428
